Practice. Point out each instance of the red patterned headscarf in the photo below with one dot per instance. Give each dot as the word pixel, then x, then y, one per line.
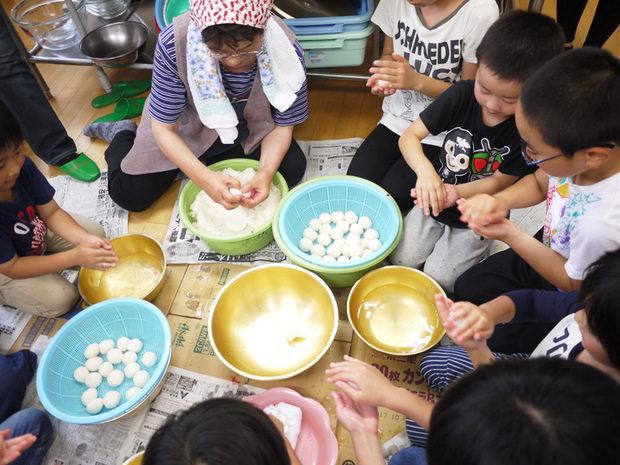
pixel 205 13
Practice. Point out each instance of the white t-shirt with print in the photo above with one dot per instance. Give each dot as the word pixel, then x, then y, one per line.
pixel 582 222
pixel 436 52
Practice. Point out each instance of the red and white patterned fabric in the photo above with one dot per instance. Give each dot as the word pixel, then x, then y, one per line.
pixel 205 13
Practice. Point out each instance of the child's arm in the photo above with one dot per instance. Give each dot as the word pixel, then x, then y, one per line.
pixel 429 188
pixel 484 209
pixel 493 184
pixel 374 389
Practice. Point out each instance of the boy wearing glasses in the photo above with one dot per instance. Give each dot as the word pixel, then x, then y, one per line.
pixel 569 119
pixel 480 152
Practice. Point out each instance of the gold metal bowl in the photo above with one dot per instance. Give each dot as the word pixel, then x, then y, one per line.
pixel 273 321
pixel 135 459
pixel 392 309
pixel 139 273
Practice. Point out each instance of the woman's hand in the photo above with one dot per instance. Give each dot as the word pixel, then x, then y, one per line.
pixel 258 187
pixel 217 185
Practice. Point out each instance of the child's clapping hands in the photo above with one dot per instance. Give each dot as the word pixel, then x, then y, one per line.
pixel 468 325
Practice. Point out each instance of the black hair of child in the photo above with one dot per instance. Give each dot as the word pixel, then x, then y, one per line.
pixel 519 43
pixel 600 293
pixel 220 431
pixel 536 411
pixel 574 100
pixel 11 135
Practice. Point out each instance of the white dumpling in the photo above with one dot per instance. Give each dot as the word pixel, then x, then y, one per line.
pixel 315 224
pixel 325 229
pixel 325 218
pixel 356 229
pixel 336 233
pixel 93 380
pixel 149 359
pixel 111 399
pixel 353 239
pixel 92 350
pixel 131 392
pixel 131 369
pixel 318 249
pixel 310 233
pixel 324 239
pixel 94 363
pixel 343 226
pixel 367 252
pixel 141 378
pixel 116 378
pixel 105 369
pixel 365 222
pixel 374 245
pixel 334 251
pixel 94 406
pixel 350 217
pixel 328 258
pixel 342 258
pixel 340 241
pixel 371 234
pixel 355 250
pixel 88 395
pixel 305 244
pixel 122 343
pixel 135 345
pixel 129 356
pixel 81 373
pixel 337 216
pixel 115 356
pixel 106 345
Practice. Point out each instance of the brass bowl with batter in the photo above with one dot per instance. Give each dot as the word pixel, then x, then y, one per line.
pixel 273 321
pixel 392 309
pixel 139 273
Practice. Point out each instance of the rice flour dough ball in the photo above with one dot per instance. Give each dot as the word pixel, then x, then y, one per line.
pixel 129 357
pixel 88 395
pixel 353 239
pixel 94 363
pixel 365 222
pixel 337 216
pixel 325 218
pixel 115 356
pixel 334 251
pixel 315 224
pixel 325 229
pixel 375 245
pixel 149 359
pixel 328 258
pixel 111 399
pixel 356 250
pixel 135 345
pixel 356 229
pixel 345 250
pixel 93 380
pixel 350 217
pixel 95 406
pixel 343 226
pixel 141 378
pixel 116 378
pixel 106 345
pixel 81 373
pixel 318 249
pixel 131 392
pixel 105 369
pixel 367 252
pixel 92 350
pixel 122 343
pixel 310 233
pixel 371 234
pixel 340 242
pixel 324 239
pixel 305 244
pixel 336 233
pixel 131 369
pixel 342 258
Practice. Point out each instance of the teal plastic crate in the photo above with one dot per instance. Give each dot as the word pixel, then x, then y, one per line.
pixel 333 24
pixel 335 50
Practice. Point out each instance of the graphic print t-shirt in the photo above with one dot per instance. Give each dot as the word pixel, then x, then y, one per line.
pixel 22 232
pixel 437 52
pixel 470 150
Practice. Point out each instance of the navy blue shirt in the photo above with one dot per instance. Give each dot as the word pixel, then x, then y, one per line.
pixel 22 232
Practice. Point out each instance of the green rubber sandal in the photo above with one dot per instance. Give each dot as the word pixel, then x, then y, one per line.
pixel 82 169
pixel 126 108
pixel 122 89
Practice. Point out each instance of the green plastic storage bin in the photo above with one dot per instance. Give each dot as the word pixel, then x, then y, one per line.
pixel 335 50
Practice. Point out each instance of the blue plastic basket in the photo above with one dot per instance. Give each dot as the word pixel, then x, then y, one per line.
pixel 334 24
pixel 61 394
pixel 337 193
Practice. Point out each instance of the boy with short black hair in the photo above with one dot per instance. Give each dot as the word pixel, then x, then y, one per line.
pixel 569 119
pixel 481 150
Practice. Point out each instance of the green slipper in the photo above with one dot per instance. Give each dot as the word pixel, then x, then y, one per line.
pixel 126 108
pixel 122 89
pixel 82 168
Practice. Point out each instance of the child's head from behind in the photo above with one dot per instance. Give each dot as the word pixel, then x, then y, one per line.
pixel 10 132
pixel 600 293
pixel 11 154
pixel 527 411
pixel 219 431
pixel 513 48
pixel 571 106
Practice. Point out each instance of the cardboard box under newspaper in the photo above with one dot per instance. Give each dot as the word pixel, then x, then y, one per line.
pixel 37 326
pixel 400 370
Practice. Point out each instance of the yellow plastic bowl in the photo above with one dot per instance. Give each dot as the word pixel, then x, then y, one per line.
pixel 141 258
pixel 392 309
pixel 273 321
pixel 135 459
pixel 229 245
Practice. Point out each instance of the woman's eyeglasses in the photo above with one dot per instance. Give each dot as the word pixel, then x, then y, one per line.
pixel 529 161
pixel 222 56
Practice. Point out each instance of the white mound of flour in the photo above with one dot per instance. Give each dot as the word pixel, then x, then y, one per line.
pixel 209 214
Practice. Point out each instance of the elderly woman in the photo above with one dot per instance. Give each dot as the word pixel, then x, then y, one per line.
pixel 228 82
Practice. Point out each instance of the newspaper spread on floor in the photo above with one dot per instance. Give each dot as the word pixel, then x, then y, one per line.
pixel 324 158
pixel 12 323
pixel 113 442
